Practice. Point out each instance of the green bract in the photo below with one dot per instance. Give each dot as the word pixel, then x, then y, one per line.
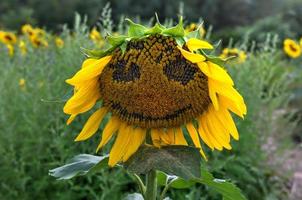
pixel 138 31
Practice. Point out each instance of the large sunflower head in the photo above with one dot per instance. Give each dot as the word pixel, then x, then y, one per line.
pixel 156 83
pixel 291 48
pixel 8 38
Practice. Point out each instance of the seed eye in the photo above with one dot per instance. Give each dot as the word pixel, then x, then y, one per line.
pixel 181 71
pixel 125 73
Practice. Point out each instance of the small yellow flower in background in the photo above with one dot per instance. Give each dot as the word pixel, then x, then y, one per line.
pixel 39 32
pixel 8 37
pixel 229 52
pixel 291 48
pixel 22 83
pixel 10 49
pixel 59 42
pixel 96 37
pixel 27 29
pixel 22 47
pixel 38 41
pixel 301 42
pixel 193 27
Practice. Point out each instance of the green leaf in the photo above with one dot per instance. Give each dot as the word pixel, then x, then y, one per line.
pixel 155 29
pixel 174 181
pixel 123 47
pixel 79 165
pixel 228 190
pixel 177 31
pixel 97 53
pixel 182 161
pixel 135 30
pixel 116 40
pixel 180 41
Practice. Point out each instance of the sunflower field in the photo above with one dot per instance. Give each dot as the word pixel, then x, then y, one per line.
pixel 110 109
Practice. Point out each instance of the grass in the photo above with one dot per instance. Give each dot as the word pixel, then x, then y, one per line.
pixel 34 137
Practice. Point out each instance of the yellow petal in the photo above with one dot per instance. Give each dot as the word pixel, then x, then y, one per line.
pixel 194 44
pixel 88 62
pixel 92 124
pixel 195 138
pixel 86 95
pixel 226 90
pixel 171 135
pixel 219 74
pixel 213 140
pixel 238 108
pixel 111 127
pixel 155 135
pixel 138 136
pixel 120 145
pixel 212 94
pixel 225 116
pixel 216 134
pixel 91 71
pixel 70 119
pixel 165 138
pixel 192 57
pixel 203 66
pixel 179 137
pixel 203 135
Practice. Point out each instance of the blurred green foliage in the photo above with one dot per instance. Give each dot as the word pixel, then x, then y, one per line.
pixel 219 13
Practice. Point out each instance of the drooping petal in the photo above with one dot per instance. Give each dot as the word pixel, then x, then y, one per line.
pixel 120 145
pixel 203 135
pixel 194 44
pixel 92 124
pixel 155 135
pixel 111 127
pixel 179 137
pixel 213 140
pixel 226 117
pixel 91 71
pixel 216 134
pixel 192 57
pixel 239 108
pixel 171 135
pixel 212 94
pixel 195 138
pixel 227 91
pixel 219 74
pixel 70 119
pixel 138 136
pixel 83 99
pixel 165 138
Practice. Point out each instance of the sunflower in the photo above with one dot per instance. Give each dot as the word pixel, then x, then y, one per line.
pixel 96 37
pixel 291 48
pixel 27 29
pixel 59 42
pixel 8 38
pixel 38 41
pixel 155 83
pixel 10 49
pixel 240 56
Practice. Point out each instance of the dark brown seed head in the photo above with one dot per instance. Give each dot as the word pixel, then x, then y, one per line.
pixel 152 85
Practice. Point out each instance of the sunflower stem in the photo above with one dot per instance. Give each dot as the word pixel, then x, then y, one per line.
pixel 151 186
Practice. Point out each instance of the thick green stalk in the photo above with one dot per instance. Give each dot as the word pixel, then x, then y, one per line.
pixel 151 186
